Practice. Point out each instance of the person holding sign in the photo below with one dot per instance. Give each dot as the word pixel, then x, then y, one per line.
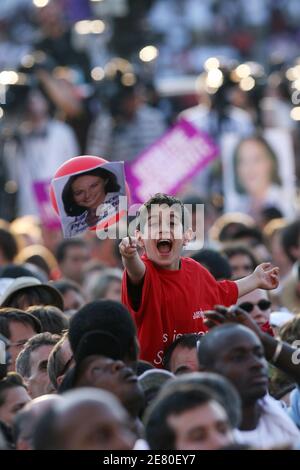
pixel 166 293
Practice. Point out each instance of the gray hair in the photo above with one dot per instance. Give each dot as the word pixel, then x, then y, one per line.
pixel 101 282
pixel 23 365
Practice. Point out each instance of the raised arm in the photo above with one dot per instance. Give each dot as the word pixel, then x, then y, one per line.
pixel 131 260
pixel 264 277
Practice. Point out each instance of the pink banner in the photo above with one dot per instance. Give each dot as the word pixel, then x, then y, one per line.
pixel 170 162
pixel 48 217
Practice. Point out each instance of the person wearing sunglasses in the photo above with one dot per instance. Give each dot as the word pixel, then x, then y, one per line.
pixel 258 305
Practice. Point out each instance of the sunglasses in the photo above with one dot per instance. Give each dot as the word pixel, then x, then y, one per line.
pixel 263 304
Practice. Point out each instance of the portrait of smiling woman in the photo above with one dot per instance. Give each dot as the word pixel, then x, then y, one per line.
pixel 257 178
pixel 84 193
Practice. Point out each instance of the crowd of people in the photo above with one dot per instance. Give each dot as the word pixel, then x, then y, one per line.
pixel 173 353
pixel 146 343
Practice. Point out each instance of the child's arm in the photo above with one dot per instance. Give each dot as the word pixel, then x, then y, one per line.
pixel 131 260
pixel 264 277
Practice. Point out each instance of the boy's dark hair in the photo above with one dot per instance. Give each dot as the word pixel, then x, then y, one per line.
pixel 109 316
pixel 160 199
pixel 23 363
pixel 235 250
pixel 65 244
pixel 8 245
pixel 159 434
pixel 52 318
pixel 71 207
pixel 12 380
pixel 215 262
pixel 290 238
pixel 8 315
pixel 188 341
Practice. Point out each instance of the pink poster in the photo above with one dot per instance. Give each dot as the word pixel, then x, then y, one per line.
pixel 48 217
pixel 170 162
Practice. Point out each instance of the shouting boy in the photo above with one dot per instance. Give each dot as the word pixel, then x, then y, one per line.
pixel 167 294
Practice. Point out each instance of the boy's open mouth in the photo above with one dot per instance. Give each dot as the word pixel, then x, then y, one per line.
pixel 164 246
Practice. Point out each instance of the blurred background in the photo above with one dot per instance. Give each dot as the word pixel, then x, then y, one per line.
pixel 109 77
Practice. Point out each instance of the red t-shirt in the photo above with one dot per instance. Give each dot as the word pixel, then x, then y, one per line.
pixel 173 303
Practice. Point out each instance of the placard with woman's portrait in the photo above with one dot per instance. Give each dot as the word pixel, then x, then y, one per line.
pixel 89 197
pixel 259 173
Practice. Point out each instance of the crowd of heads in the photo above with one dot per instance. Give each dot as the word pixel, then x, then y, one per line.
pixel 72 352
pixel 71 375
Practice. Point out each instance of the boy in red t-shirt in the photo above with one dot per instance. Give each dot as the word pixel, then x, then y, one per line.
pixel 167 294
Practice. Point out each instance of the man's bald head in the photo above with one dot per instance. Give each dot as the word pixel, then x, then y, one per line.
pixel 236 352
pixel 85 419
pixel 27 418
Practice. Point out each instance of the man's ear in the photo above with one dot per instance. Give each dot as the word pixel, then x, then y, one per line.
pixel 187 236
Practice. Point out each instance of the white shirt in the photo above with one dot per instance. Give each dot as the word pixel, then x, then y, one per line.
pixel 38 158
pixel 275 428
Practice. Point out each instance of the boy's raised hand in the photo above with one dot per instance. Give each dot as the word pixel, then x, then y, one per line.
pixel 267 276
pixel 131 260
pixel 128 247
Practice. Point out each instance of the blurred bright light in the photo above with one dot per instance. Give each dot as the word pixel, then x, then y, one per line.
pixel 117 64
pixel 97 26
pixel 40 3
pixel 247 83
pixel 148 53
pixel 97 73
pixel 27 61
pixel 1 112
pixel 290 74
pixel 243 71
pixel 82 27
pixel 211 63
pixel 8 77
pixel 296 84
pixel 296 71
pixel 214 78
pixel 234 77
pixel 22 78
pixel 128 79
pixel 295 113
pixel 39 56
pixel 89 27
